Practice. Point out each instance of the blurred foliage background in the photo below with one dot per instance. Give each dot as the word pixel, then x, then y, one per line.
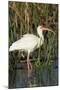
pixel 24 18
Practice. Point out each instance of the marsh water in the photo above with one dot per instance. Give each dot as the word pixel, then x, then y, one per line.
pixel 43 77
pixel 45 60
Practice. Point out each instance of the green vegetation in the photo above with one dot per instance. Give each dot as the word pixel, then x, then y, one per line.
pixel 24 18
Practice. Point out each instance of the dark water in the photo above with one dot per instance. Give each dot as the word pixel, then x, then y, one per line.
pixel 43 77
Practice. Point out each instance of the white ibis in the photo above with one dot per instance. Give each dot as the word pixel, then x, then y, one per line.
pixel 29 43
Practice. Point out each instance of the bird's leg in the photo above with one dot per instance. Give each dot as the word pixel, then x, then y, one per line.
pixel 22 55
pixel 29 65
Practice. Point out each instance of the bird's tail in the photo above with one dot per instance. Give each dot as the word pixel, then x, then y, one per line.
pixel 11 48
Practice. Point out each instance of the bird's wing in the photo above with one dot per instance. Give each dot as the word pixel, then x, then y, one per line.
pixel 25 35
pixel 29 35
pixel 28 42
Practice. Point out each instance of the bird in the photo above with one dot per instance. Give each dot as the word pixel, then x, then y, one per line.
pixel 29 43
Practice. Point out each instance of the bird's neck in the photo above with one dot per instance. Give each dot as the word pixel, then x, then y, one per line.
pixel 41 38
pixel 39 32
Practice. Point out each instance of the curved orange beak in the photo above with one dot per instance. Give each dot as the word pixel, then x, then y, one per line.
pixel 47 29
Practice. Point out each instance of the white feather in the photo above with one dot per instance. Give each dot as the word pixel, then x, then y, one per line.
pixel 28 42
